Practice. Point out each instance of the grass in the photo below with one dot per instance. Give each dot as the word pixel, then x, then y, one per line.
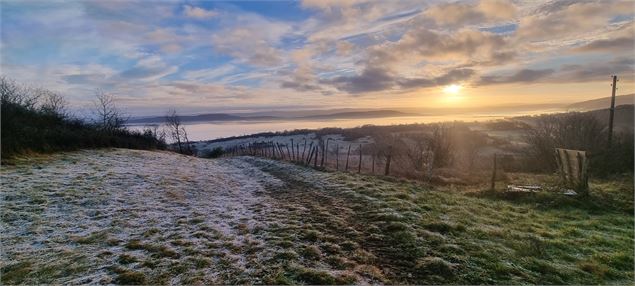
pixel 399 231
pixel 337 228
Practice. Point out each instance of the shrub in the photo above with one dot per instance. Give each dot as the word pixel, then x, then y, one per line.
pixel 34 120
pixel 214 153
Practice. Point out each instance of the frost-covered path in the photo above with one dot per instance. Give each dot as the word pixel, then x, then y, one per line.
pixel 78 216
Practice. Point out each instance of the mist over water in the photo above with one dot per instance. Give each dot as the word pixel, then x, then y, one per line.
pixel 220 129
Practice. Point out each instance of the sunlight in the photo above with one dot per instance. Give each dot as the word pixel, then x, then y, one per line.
pixel 452 89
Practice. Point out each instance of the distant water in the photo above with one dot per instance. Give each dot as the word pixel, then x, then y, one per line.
pixel 214 130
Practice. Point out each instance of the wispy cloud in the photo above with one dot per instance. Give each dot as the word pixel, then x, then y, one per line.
pixel 171 53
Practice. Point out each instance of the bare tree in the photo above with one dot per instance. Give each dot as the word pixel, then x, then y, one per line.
pixel 441 145
pixel 108 117
pixel 579 131
pixel 53 103
pixel 14 93
pixel 177 132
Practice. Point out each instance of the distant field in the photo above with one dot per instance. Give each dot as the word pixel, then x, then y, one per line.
pixel 141 217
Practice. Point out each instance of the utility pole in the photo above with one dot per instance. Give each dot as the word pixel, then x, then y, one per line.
pixel 612 110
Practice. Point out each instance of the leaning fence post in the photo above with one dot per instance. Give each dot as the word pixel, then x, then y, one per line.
pixel 359 166
pixel 493 183
pixel 388 158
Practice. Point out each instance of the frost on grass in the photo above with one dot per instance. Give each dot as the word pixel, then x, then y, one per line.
pixel 139 217
pixel 122 216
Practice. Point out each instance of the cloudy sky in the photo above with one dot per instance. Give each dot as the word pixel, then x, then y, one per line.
pixel 254 55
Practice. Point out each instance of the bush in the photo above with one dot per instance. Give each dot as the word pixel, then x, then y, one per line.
pixel 214 153
pixel 35 121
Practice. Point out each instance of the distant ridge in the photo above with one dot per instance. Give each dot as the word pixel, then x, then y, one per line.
pixel 201 118
pixel 361 114
pixel 602 103
pixel 220 117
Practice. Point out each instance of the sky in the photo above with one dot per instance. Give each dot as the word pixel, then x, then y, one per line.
pixel 212 56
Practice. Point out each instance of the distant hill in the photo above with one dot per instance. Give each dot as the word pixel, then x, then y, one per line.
pixel 200 118
pixel 624 116
pixel 602 103
pixel 216 117
pixel 361 114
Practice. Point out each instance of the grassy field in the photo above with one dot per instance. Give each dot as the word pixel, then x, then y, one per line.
pixel 118 216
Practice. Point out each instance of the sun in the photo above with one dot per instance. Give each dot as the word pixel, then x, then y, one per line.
pixel 452 89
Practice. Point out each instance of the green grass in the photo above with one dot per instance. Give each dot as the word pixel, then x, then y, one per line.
pixel 398 231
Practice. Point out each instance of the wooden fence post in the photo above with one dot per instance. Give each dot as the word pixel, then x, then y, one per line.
pixel 304 149
pixel 359 166
pixel 326 152
pixel 310 152
pixel 348 154
pixel 310 155
pixel 337 157
pixel 493 183
pixel 292 151
pixel 373 168
pixel 388 158
pixel 317 153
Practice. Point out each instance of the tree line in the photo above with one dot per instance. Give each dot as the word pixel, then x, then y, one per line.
pixel 39 120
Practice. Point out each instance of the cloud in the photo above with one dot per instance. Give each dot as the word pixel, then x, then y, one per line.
pixel 562 20
pixel 371 79
pixel 198 13
pixel 586 72
pixel 460 14
pixel 521 76
pixel 453 76
pixel 624 44
pixel 251 39
pixel 148 68
pixel 377 79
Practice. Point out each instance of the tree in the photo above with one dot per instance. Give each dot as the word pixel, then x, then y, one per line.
pixel 177 132
pixel 108 117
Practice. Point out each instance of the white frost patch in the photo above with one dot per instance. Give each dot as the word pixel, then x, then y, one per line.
pixel 82 203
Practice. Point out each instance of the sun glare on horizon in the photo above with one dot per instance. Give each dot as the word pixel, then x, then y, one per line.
pixel 452 89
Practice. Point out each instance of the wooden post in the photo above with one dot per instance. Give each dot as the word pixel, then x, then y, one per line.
pixel 612 110
pixel 493 183
pixel 387 170
pixel 304 149
pixel 359 166
pixel 288 152
pixel 292 152
pixel 348 154
pixel 337 157
pixel 308 161
pixel 297 149
pixel 322 161
pixel 317 153
pixel 326 152
pixel 373 168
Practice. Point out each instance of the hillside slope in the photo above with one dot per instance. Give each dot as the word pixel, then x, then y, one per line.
pixel 140 217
